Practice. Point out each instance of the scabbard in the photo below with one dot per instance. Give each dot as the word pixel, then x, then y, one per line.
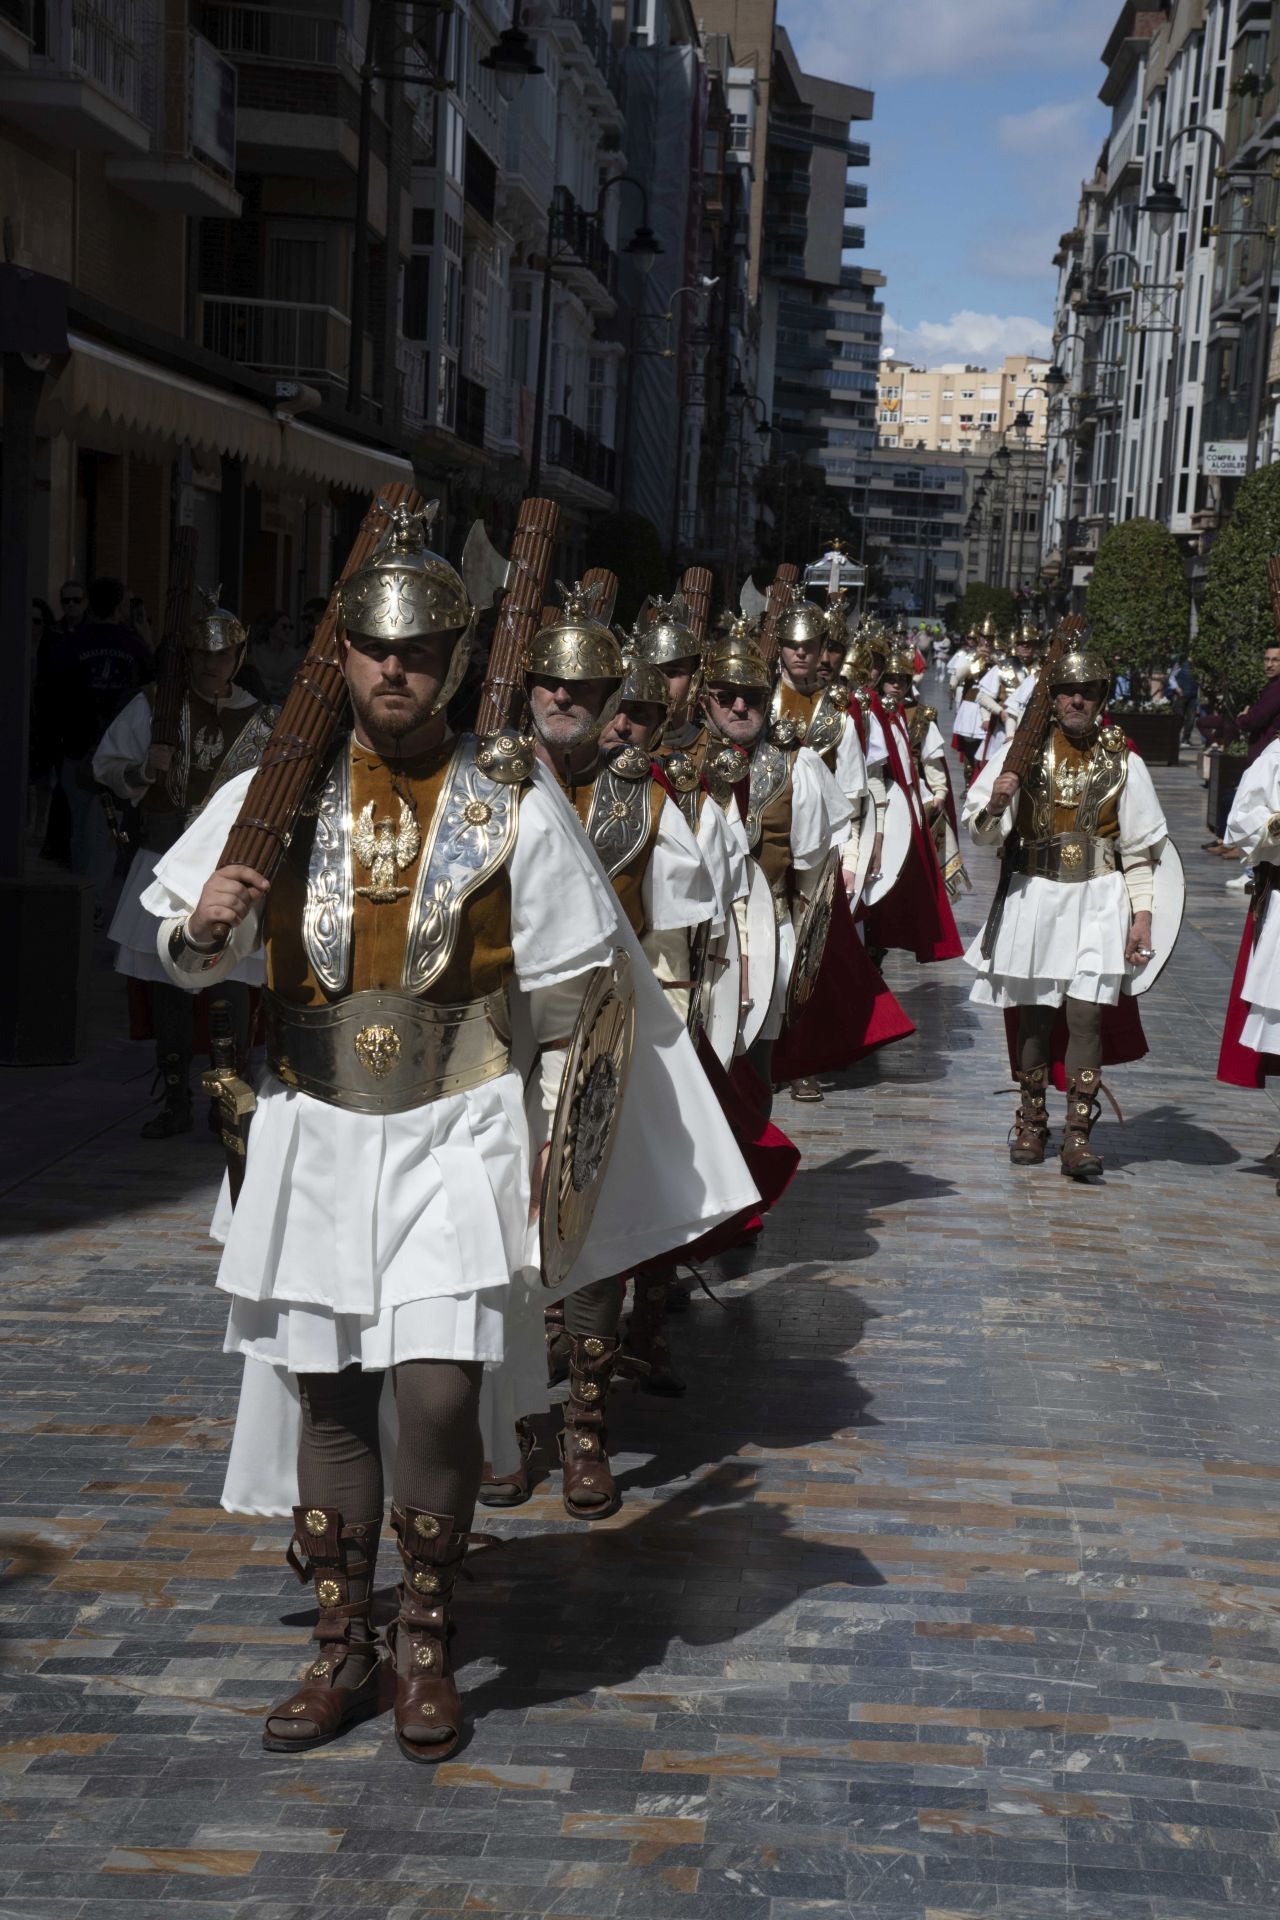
pixel 233 1097
pixel 1008 861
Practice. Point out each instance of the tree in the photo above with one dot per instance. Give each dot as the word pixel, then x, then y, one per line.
pixel 629 545
pixel 1235 618
pixel 979 602
pixel 1139 602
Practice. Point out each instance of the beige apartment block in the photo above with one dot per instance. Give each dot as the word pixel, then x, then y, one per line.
pixel 960 408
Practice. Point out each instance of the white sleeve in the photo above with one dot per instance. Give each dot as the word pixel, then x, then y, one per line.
pixel 934 747
pixel 1256 803
pixel 991 691
pixel 877 753
pixel 820 814
pixel 562 915
pixel 118 758
pixel 678 889
pixel 179 881
pixel 1143 827
pixel 991 830
pixel 850 767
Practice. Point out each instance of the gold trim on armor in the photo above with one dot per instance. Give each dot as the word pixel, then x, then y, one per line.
pixel 385 1052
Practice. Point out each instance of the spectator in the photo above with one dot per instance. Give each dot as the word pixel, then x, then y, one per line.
pixel 1260 723
pixel 1183 683
pixel 274 656
pixel 311 611
pixel 71 598
pixel 94 669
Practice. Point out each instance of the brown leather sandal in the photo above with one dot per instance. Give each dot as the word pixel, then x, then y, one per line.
pixel 334 1695
pixel 511 1489
pixel 428 1706
pixel 589 1489
pixel 1080 1161
pixel 1029 1134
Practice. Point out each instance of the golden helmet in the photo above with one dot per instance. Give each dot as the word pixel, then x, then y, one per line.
pixel 668 636
pixel 407 592
pixel 576 645
pixel 835 619
pixel 1080 668
pixel 642 683
pixel 735 659
pixel 900 663
pixel 802 622
pixel 215 628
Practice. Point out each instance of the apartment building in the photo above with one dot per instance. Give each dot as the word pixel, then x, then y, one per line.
pixel 960 408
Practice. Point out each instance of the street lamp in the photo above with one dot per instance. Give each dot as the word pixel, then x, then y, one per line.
pixel 1054 381
pixel 513 58
pixel 1163 205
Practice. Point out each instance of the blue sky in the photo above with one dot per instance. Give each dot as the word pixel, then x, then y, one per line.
pixel 986 120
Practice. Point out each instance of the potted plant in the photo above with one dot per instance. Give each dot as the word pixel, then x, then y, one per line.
pixel 1138 609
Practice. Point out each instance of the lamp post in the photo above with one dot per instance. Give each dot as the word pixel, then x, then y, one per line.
pixel 643 247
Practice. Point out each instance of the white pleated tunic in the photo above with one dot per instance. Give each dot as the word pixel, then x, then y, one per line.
pixel 1056 937
pixel 375 1239
pixel 122 749
pixel 1256 801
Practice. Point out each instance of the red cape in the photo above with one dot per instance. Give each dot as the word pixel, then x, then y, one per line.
pixel 1239 1065
pixel 916 913
pixel 850 1013
pixel 1123 1039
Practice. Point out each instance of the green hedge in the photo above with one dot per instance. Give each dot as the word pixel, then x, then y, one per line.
pixel 1235 618
pixel 979 600
pixel 1139 603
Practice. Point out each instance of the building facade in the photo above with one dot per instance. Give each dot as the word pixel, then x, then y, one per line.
pixel 960 408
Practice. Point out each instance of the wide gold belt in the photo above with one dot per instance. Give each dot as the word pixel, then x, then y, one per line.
pixel 386 1052
pixel 1068 856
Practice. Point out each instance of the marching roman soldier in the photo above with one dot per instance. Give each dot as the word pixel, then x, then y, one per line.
pixel 929 758
pixel 1082 834
pixel 914 913
pixel 593 720
pixel 1251 1038
pixel 966 672
pixel 1004 690
pixel 222 731
pixel 425 911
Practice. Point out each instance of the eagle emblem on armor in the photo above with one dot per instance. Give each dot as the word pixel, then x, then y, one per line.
pixel 386 848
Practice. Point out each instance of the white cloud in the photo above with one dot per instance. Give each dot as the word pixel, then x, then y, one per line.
pixel 982 338
pixel 871 41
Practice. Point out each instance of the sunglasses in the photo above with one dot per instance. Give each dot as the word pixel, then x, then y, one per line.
pixel 725 696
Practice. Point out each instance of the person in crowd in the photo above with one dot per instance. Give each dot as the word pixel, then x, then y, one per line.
pixel 1260 723
pixel 274 655
pixel 1183 684
pixel 74 604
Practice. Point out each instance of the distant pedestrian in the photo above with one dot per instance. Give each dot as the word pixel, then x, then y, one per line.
pixel 274 656
pixel 1260 723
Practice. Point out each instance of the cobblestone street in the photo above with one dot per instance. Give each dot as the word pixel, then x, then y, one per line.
pixel 951 1590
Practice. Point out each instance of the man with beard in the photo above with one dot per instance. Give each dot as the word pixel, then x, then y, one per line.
pixel 1074 908
pixel 222 730
pixel 593 719
pixel 384 1217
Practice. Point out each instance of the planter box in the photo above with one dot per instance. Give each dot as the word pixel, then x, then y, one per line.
pixel 1226 770
pixel 1157 736
pixel 44 969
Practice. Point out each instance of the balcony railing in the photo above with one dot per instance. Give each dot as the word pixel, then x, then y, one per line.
pixel 99 43
pixel 574 450
pixel 277 36
pixel 411 364
pixel 598 40
pixel 297 338
pixel 852 236
pixel 578 238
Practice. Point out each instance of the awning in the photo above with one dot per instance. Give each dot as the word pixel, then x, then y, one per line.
pixel 114 401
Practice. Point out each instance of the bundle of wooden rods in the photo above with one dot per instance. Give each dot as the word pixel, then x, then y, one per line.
pixel 166 720
pixel 784 580
pixel 607 585
pixel 314 710
pixel 1033 727
pixel 502 703
pixel 697 586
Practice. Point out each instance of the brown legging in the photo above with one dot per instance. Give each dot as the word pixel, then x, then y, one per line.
pixel 595 1309
pixel 1084 1035
pixel 439 1457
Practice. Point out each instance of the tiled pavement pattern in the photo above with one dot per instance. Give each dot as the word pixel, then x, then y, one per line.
pixel 951 1590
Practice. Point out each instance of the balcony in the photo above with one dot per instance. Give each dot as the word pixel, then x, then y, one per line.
pixel 587 42
pixel 294 339
pixel 84 85
pixel 192 164
pixel 298 92
pixel 411 365
pixel 16 30
pixel 858 153
pixel 275 36
pixel 855 194
pixel 527 180
pixel 575 451
pixel 582 257
pixel 852 236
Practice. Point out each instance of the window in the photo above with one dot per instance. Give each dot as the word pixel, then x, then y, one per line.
pixel 948 393
pixel 944 419
pixel 740 132
pixel 417 296
pixel 968 393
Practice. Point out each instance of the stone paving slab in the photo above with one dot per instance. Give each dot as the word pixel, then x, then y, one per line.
pixel 950 1593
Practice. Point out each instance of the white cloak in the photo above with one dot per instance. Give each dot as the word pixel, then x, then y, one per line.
pixel 122 749
pixel 1056 937
pixel 820 816
pixel 1257 800
pixel 374 1239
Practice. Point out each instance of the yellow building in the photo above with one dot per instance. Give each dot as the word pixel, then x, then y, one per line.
pixel 960 408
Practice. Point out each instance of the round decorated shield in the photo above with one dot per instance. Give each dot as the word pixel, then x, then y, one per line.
pixel 716 1007
pixel 1167 909
pixel 758 927
pixel 811 938
pixel 896 846
pixel 587 1114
